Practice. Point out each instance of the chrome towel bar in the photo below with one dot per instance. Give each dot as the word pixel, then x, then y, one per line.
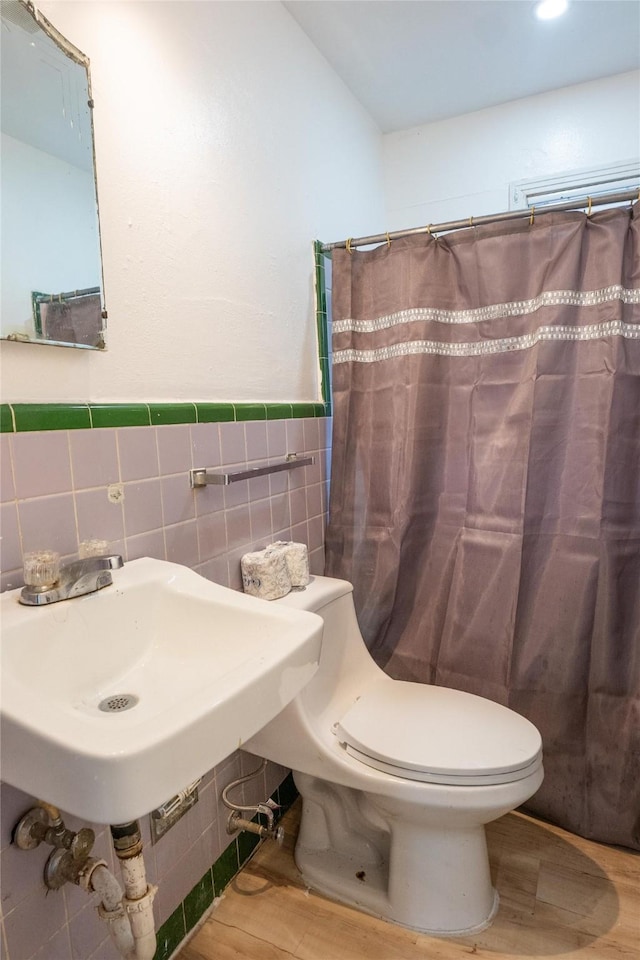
pixel 200 476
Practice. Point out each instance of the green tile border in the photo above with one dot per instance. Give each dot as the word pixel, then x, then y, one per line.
pixel 212 883
pixel 247 843
pixel 171 934
pixel 50 416
pixel 279 411
pixel 322 323
pixel 21 417
pixel 165 413
pixel 215 412
pixel 198 900
pixel 119 415
pixel 251 411
pixel 6 418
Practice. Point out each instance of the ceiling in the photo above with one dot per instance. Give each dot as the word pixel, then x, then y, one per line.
pixel 416 61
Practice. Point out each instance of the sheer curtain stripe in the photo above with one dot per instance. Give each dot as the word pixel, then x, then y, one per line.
pixel 482 348
pixel 495 311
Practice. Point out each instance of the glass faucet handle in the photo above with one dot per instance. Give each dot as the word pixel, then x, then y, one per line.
pixel 93 548
pixel 41 568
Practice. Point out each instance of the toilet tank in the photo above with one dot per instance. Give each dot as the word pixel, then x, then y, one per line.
pixel 345 662
pixel 319 592
pixel 346 670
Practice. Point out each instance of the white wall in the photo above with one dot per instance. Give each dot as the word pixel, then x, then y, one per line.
pixel 225 144
pixel 461 167
pixel 52 253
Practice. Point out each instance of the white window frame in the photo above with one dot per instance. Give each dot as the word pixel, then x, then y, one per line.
pixel 546 191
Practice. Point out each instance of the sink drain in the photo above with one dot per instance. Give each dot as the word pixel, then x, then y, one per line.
pixel 118 702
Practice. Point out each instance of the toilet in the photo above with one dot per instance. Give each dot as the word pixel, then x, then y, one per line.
pixel 397 780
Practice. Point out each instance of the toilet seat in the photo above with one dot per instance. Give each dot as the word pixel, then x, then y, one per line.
pixel 438 735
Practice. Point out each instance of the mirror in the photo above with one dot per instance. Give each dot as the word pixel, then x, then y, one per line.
pixel 51 266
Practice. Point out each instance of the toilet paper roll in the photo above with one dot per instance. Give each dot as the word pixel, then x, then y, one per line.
pixel 296 558
pixel 265 575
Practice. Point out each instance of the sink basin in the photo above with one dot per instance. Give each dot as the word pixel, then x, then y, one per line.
pixel 113 702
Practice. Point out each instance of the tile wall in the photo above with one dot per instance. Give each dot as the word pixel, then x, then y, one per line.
pixel 129 485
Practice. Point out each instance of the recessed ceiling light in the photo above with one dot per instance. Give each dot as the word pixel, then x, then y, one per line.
pixel 548 9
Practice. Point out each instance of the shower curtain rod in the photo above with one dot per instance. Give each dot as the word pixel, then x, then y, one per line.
pixel 529 214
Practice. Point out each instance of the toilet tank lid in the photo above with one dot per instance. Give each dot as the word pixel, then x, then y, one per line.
pixel 317 594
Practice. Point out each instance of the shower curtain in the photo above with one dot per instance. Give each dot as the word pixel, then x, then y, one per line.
pixel 485 495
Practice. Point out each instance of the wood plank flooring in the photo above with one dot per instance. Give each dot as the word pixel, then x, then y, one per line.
pixel 560 896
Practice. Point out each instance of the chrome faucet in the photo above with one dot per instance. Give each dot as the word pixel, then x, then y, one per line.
pixel 74 579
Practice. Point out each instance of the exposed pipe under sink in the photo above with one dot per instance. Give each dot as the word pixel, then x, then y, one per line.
pixel 129 914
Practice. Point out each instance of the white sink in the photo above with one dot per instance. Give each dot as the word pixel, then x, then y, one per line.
pixel 209 668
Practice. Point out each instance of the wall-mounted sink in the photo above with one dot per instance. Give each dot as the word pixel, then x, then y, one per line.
pixel 113 702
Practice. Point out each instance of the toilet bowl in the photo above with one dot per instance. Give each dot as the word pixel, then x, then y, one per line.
pixel 397 780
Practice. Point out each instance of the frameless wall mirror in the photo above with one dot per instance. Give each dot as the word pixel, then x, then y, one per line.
pixel 51 267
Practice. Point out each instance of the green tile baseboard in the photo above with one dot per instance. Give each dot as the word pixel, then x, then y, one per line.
pixel 21 417
pixel 196 903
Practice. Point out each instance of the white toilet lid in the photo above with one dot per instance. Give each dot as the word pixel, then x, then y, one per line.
pixel 435 734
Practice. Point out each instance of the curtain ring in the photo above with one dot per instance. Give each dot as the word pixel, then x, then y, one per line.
pixel 470 221
pixel 532 217
pixel 589 207
pixel 348 245
pixel 388 239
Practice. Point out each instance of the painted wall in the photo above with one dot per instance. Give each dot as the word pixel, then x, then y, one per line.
pixel 463 166
pixel 225 144
pixel 35 259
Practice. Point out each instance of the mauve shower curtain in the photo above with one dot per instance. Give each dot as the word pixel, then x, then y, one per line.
pixel 485 496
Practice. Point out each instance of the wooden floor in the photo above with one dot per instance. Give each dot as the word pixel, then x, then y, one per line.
pixel 560 896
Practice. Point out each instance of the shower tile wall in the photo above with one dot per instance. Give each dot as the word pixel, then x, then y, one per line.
pixel 129 485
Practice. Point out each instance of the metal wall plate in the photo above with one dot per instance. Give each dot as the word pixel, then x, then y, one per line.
pixel 166 816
